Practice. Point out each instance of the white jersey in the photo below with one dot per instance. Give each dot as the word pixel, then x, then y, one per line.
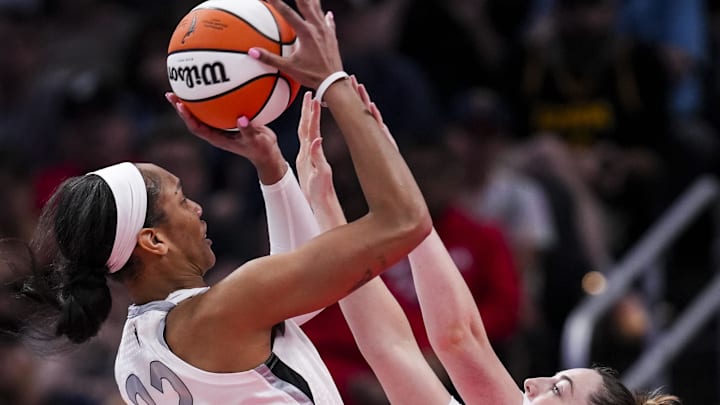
pixel 147 372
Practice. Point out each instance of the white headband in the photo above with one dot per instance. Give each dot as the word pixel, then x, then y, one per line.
pixel 128 188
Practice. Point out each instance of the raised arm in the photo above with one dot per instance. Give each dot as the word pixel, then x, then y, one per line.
pixel 271 289
pixel 452 320
pixel 455 329
pixel 380 328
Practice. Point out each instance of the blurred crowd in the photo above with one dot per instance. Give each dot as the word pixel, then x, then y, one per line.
pixel 546 135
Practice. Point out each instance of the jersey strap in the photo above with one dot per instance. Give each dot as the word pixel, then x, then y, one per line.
pixel 285 378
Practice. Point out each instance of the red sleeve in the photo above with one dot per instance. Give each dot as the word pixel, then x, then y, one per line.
pixel 499 302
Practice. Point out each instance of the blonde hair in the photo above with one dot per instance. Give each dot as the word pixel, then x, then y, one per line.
pixel 656 398
pixel 614 392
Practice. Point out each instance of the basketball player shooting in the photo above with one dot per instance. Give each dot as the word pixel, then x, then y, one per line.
pixel 235 342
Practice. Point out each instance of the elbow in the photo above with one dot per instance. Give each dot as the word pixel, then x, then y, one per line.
pixel 455 340
pixel 451 341
pixel 415 224
pixel 421 225
pixel 404 226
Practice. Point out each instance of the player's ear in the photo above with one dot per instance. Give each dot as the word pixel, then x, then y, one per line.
pixel 152 241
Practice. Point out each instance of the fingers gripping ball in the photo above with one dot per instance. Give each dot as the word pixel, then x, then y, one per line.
pixel 211 72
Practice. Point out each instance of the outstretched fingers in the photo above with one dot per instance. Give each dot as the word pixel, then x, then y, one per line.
pixel 192 123
pixel 375 111
pixel 314 128
pixel 267 57
pixel 330 20
pixel 311 10
pixel 302 160
pixel 372 107
pixel 172 98
pixel 365 97
pixel 305 117
pixel 296 22
pixel 318 55
pixel 317 154
pixel 369 104
pixel 309 126
pixel 361 91
pixel 308 133
pixel 291 16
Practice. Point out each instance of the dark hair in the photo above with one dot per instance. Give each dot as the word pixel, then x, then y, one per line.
pixel 70 247
pixel 614 392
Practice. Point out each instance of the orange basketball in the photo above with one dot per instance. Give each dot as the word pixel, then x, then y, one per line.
pixel 211 72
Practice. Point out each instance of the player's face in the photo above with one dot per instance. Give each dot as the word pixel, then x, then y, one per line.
pixel 566 387
pixel 182 229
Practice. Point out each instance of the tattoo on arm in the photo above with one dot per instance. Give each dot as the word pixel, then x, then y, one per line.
pixel 369 274
pixel 365 278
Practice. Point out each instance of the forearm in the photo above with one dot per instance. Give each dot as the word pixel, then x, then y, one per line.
pixel 455 329
pixel 387 183
pixel 377 321
pixel 382 331
pixel 435 275
pixel 270 169
pixel 385 339
pixel 290 220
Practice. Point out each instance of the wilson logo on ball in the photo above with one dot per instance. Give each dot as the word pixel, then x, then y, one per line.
pixel 207 74
pixel 209 68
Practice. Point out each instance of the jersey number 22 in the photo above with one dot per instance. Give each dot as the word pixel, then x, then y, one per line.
pixel 158 372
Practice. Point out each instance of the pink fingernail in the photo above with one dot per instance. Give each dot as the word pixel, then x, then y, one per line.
pixel 331 15
pixel 167 97
pixel 243 122
pixel 254 53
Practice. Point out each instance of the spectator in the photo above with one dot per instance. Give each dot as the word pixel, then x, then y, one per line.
pixel 478 36
pixel 606 100
pixel 677 27
pixel 398 82
pixel 95 131
pixel 494 188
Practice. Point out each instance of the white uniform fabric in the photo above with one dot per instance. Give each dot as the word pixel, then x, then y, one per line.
pixel 454 401
pixel 147 372
pixel 290 220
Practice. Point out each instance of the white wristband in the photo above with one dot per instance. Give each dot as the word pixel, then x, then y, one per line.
pixel 327 83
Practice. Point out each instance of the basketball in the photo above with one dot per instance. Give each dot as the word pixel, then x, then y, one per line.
pixel 210 70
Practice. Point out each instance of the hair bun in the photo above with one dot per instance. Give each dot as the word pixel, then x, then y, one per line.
pixel 85 302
